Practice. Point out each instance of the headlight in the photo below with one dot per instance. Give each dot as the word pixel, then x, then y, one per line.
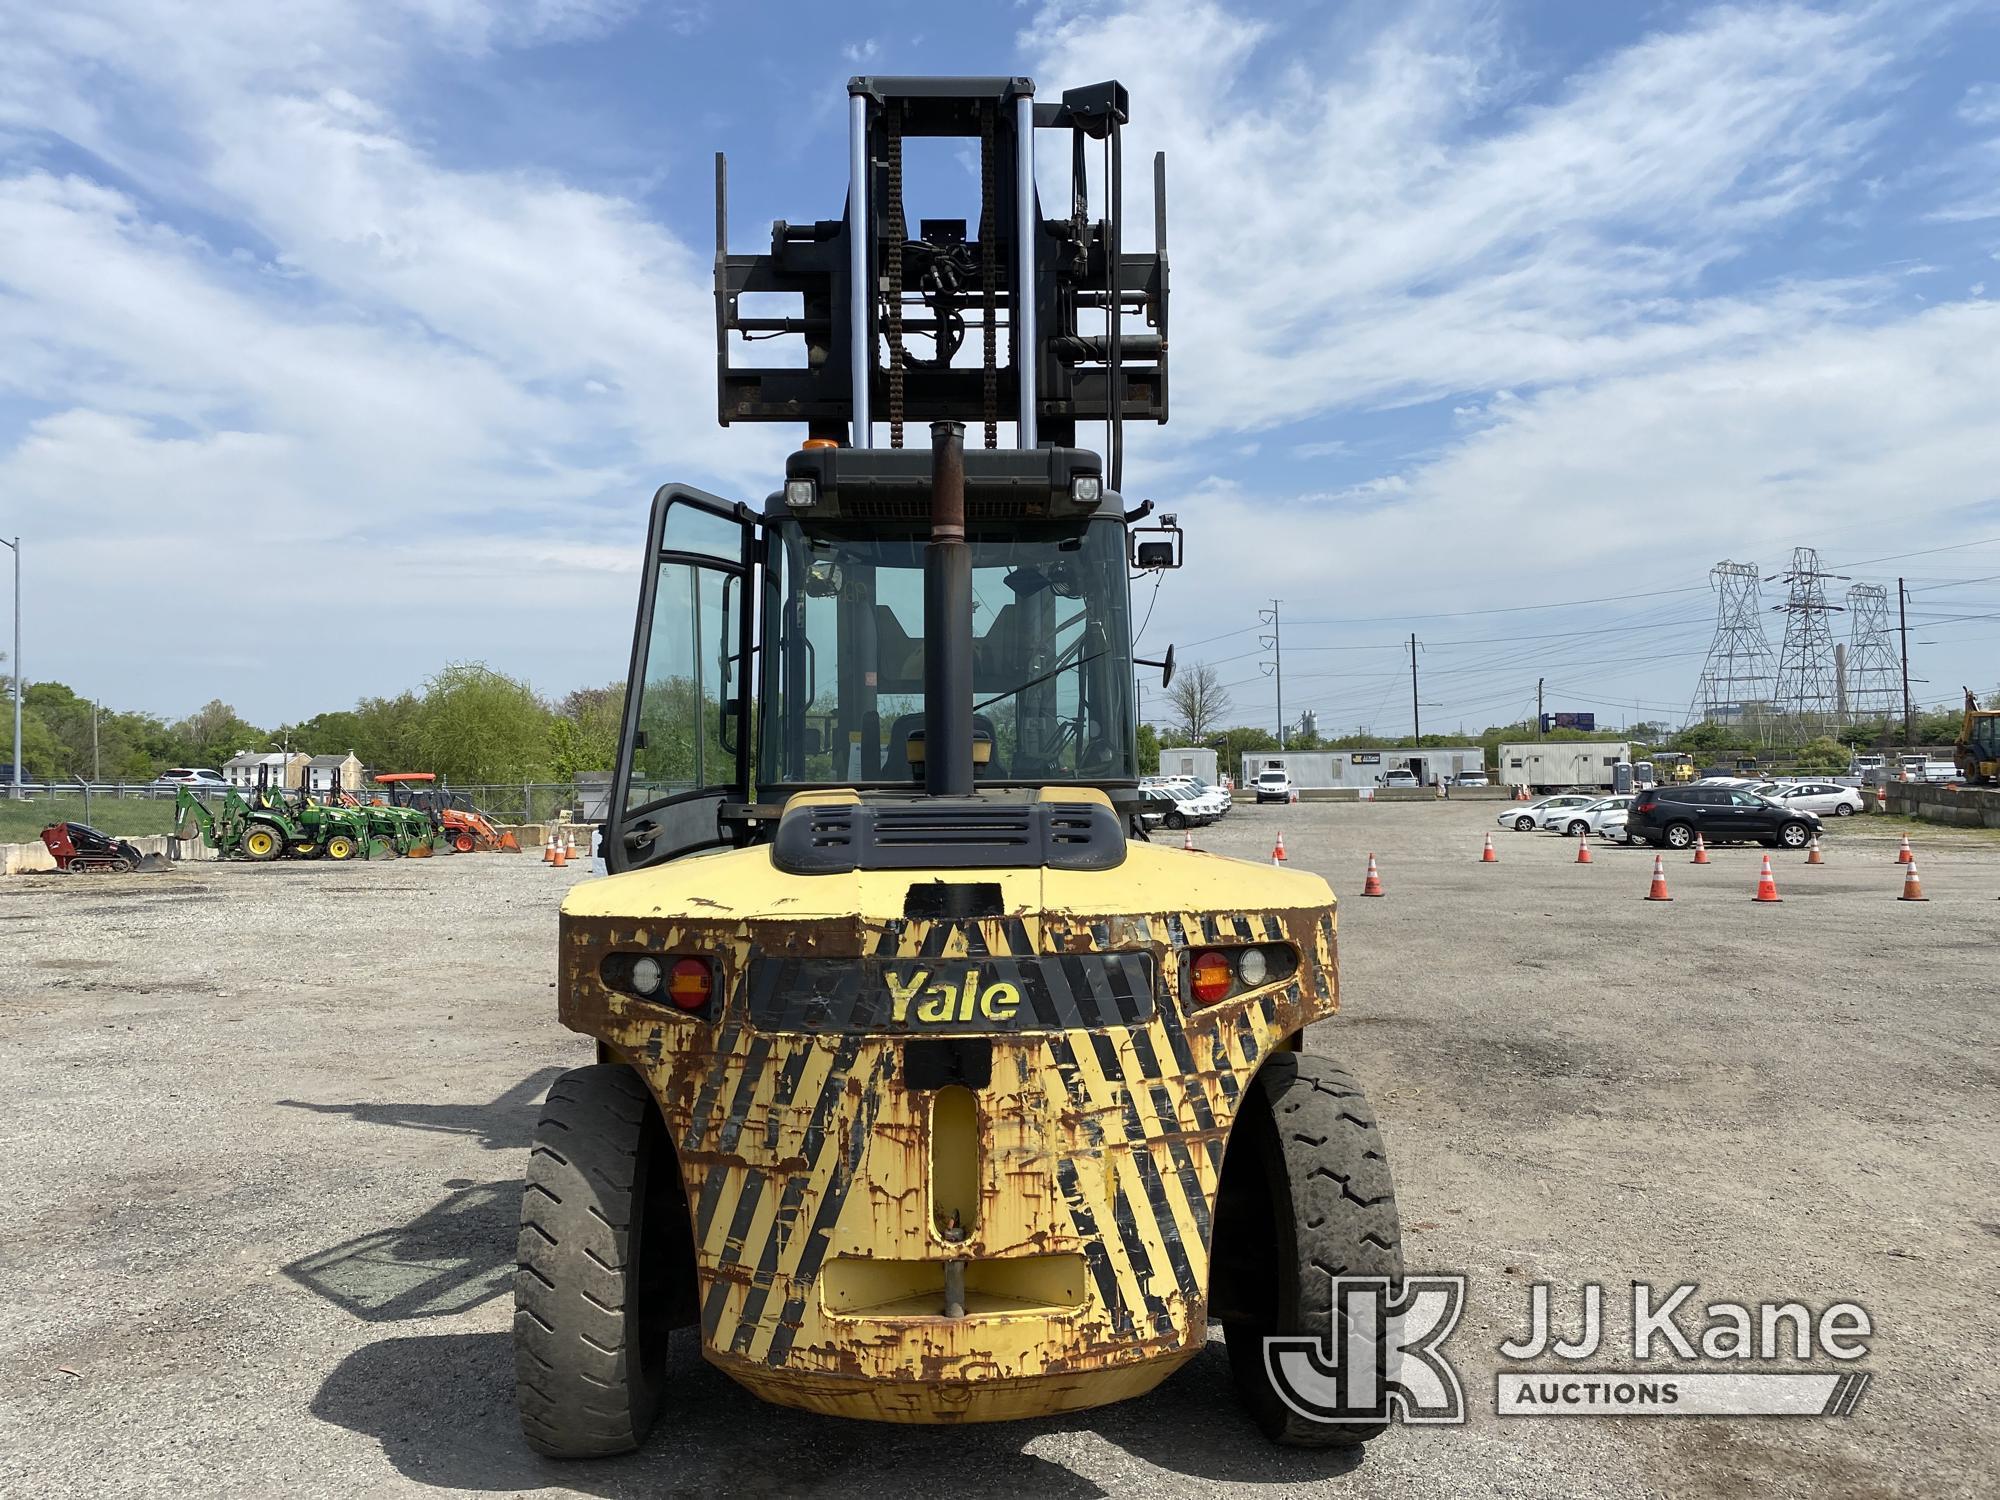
pixel 646 975
pixel 1086 489
pixel 801 493
pixel 1251 967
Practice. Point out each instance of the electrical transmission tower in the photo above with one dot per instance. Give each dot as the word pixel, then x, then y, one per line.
pixel 1736 680
pixel 1873 693
pixel 1808 690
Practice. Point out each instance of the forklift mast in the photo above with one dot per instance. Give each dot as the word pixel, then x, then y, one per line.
pixel 1042 301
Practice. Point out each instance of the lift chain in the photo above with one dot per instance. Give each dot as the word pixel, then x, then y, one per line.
pixel 892 266
pixel 989 231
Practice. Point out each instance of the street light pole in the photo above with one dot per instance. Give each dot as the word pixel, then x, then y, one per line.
pixel 16 545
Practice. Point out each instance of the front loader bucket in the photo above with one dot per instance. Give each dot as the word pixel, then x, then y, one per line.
pixel 377 847
pixel 154 862
pixel 419 849
pixel 506 843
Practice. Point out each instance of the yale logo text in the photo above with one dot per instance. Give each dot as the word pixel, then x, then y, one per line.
pixel 925 996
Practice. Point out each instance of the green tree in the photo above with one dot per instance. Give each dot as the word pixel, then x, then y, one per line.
pixel 479 727
pixel 583 733
pixel 1149 750
pixel 213 733
pixel 1826 756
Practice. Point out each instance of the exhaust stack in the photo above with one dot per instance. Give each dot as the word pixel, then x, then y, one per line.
pixel 948 622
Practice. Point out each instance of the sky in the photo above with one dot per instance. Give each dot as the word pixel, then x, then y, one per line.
pixel 343 338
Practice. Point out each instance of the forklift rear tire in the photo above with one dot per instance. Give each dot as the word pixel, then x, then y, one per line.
pixel 1306 1196
pixel 605 1270
pixel 340 846
pixel 262 843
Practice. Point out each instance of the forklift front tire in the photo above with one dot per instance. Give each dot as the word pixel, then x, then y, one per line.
pixel 1307 1196
pixel 593 1292
pixel 262 843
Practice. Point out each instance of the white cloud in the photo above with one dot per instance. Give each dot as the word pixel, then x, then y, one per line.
pixel 1372 218
pixel 394 350
pixel 1864 442
pixel 1981 104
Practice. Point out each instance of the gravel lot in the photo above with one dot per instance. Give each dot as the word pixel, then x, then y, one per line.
pixel 268 1128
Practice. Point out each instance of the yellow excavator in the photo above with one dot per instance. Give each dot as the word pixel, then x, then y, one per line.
pixel 1977 752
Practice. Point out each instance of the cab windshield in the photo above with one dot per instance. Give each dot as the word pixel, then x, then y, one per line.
pixel 844 661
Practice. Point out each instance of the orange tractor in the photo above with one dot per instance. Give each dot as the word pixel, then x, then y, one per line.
pixel 466 829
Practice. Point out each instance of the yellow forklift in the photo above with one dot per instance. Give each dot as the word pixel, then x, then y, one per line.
pixel 928 1090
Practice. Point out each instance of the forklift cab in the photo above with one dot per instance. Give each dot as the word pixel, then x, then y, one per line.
pixel 813 611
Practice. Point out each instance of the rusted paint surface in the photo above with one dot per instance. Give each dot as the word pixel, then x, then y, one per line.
pixel 796 1149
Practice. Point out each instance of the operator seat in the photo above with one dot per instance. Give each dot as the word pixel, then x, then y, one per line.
pixel 907 724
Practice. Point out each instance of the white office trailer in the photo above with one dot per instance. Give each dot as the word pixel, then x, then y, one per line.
pixel 1553 765
pixel 1188 760
pixel 1318 770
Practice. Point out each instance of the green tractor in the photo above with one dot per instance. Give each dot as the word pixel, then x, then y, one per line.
pixel 265 825
pixel 409 831
pixel 240 829
pixel 331 831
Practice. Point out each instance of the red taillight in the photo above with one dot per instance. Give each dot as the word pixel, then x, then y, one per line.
pixel 689 984
pixel 1211 974
pixel 1647 806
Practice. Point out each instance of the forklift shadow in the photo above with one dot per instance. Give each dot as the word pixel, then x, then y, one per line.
pixel 507 1123
pixel 442 1409
pixel 447 1260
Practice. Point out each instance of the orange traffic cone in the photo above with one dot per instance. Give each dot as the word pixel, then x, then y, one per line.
pixel 1913 889
pixel 1659 890
pixel 1583 848
pixel 1767 885
pixel 549 848
pixel 1903 855
pixel 1187 839
pixel 1700 851
pixel 1372 886
pixel 1813 856
pixel 1487 856
pixel 1278 849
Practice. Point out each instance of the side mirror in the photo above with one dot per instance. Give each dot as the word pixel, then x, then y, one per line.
pixel 1165 664
pixel 1156 547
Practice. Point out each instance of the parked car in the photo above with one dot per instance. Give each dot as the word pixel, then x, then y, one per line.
pixel 1577 821
pixel 1824 798
pixel 1400 776
pixel 1472 778
pixel 1172 807
pixel 1526 816
pixel 1274 786
pixel 1670 817
pixel 1614 827
pixel 195 778
pixel 1213 797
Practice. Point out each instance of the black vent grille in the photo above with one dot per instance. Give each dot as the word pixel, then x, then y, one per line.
pixel 861 506
pixel 948 833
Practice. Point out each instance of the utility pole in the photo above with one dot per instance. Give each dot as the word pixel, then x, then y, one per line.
pixel 1902 625
pixel 96 767
pixel 1274 643
pixel 1416 714
pixel 1538 706
pixel 16 545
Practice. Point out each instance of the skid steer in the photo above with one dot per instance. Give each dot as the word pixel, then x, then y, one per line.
pixel 927 1089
